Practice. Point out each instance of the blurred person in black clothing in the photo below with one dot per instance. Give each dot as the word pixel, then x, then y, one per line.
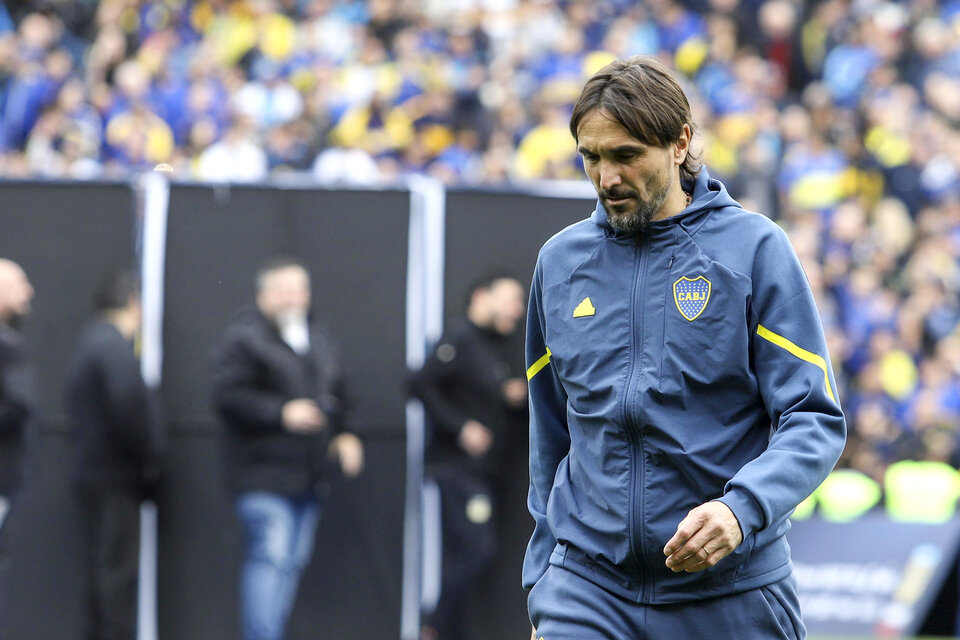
pixel 119 444
pixel 277 385
pixel 475 395
pixel 17 384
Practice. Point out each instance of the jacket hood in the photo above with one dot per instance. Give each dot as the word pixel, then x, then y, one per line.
pixel 708 195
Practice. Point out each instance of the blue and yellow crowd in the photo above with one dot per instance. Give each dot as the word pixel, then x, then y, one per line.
pixel 839 118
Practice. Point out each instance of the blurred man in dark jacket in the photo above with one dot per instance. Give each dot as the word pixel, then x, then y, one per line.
pixel 475 395
pixel 277 386
pixel 119 443
pixel 17 384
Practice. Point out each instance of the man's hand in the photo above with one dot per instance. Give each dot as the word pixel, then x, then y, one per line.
pixel 303 416
pixel 475 438
pixel 706 536
pixel 515 392
pixel 349 451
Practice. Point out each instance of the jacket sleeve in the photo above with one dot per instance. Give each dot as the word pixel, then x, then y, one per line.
pixel 236 395
pixel 335 404
pixel 793 371
pixel 549 437
pixel 131 410
pixel 334 397
pixel 17 388
pixel 431 383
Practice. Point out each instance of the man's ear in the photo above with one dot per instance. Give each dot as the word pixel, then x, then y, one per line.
pixel 682 145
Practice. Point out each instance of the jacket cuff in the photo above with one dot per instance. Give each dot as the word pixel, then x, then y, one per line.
pixel 276 414
pixel 745 508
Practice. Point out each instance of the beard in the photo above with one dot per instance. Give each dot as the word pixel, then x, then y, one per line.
pixel 295 330
pixel 637 219
pixel 15 317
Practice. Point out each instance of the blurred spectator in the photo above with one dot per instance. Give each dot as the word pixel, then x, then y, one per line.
pixel 476 398
pixel 278 388
pixel 269 100
pixel 18 394
pixel 236 157
pixel 336 165
pixel 119 443
pixel 548 150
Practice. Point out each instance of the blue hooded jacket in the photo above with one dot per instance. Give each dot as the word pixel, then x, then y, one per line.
pixel 685 366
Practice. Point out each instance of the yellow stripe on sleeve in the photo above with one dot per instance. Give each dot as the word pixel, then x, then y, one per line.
pixel 538 365
pixel 799 352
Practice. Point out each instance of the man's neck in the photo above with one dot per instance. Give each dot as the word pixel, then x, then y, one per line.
pixel 476 318
pixel 11 321
pixel 677 200
pixel 125 322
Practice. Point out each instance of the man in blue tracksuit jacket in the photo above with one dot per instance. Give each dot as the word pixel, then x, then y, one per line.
pixel 682 401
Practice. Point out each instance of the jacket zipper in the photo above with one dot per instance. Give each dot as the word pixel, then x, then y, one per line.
pixel 635 511
pixel 663 333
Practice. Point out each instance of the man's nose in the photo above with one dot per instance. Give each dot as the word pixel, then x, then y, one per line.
pixel 609 175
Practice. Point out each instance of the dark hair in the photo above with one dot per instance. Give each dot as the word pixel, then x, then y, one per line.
pixel 486 282
pixel 278 264
pixel 641 94
pixel 115 290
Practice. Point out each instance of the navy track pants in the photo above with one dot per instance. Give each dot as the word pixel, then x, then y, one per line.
pixel 564 606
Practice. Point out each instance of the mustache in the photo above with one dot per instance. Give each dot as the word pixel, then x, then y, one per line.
pixel 617 194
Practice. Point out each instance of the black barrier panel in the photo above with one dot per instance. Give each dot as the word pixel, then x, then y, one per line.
pixel 199 548
pixel 352 588
pixel 65 236
pixel 216 238
pixel 355 244
pixel 490 232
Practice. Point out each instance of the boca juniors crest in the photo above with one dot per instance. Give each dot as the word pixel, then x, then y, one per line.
pixel 691 296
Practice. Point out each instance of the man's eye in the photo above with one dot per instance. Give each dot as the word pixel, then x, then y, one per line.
pixel 590 158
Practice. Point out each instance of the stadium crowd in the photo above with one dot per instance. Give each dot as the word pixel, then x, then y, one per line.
pixel 839 118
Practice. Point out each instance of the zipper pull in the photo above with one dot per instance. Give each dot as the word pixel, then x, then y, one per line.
pixel 670 264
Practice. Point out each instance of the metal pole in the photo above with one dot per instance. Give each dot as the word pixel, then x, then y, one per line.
pixel 156 196
pixel 424 324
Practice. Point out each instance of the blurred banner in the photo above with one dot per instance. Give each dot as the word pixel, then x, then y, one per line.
pixel 873 576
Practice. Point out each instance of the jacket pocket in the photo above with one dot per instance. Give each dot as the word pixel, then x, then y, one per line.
pixel 781 599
